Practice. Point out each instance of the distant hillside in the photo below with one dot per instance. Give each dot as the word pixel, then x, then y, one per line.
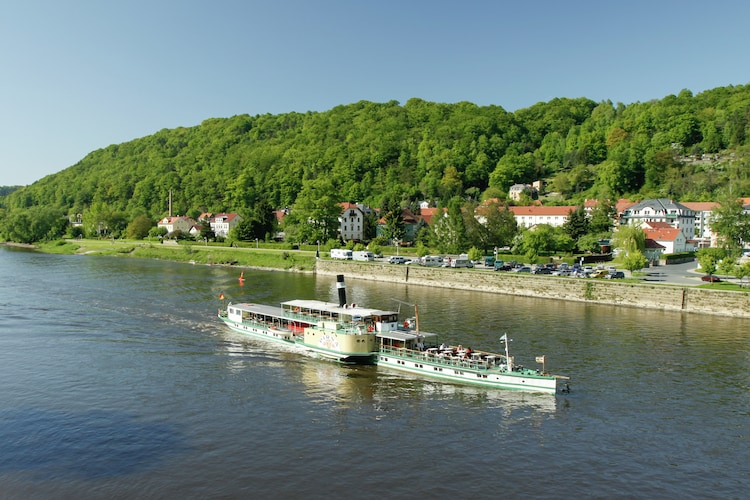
pixel 685 146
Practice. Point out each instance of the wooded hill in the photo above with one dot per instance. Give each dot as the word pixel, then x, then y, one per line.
pixel 685 147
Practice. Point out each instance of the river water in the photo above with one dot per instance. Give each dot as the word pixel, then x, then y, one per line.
pixel 118 381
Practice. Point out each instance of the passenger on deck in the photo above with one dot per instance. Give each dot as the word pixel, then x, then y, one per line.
pixel 443 347
pixel 420 345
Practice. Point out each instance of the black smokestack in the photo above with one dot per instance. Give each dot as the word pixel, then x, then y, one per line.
pixel 342 289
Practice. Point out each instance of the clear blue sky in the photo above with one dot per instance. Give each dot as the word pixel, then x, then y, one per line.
pixel 79 75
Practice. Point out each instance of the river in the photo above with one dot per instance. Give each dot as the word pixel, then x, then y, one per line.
pixel 118 381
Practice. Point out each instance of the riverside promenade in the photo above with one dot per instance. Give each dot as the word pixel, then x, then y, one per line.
pixel 652 293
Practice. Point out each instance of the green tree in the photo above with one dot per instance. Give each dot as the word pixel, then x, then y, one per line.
pixel 501 226
pixel 742 271
pixel 629 239
pixel 207 233
pixel 315 215
pixel 602 217
pixel 537 240
pixel 634 261
pixel 732 224
pixel 139 227
pixel 707 263
pixel 450 231
pixel 33 224
pixel 394 229
pixel 577 224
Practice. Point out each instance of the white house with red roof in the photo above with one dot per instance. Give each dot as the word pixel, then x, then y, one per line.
pixel 176 223
pixel 221 224
pixel 672 239
pixel 675 214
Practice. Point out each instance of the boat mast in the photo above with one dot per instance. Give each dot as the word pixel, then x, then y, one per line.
pixel 416 318
pixel 508 361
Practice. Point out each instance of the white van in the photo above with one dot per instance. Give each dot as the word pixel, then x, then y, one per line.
pixel 364 255
pixel 431 261
pixel 341 253
pixel 394 259
pixel 461 262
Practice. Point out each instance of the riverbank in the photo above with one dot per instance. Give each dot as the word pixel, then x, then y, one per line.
pixel 642 294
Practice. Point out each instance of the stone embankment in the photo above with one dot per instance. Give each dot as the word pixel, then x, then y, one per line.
pixel 665 297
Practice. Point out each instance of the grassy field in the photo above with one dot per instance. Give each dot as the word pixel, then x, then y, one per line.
pixel 295 260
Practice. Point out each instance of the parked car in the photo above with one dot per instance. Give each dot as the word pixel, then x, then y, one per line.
pixel 523 269
pixel 615 275
pixel 394 259
pixel 543 270
pixel 710 278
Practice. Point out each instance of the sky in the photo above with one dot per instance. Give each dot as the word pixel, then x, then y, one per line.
pixel 79 75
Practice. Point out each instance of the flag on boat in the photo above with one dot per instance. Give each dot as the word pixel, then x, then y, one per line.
pixel 541 359
pixel 504 338
pixel 221 296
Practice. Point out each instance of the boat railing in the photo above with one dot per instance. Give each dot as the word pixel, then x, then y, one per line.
pixel 483 363
pixel 342 329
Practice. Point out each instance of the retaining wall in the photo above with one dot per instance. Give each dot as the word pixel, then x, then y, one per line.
pixel 666 297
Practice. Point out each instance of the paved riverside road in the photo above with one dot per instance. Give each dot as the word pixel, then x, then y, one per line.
pixel 680 274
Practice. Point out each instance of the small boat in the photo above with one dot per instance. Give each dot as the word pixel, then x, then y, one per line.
pixel 341 332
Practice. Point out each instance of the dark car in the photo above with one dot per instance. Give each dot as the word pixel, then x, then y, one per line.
pixel 615 275
pixel 543 270
pixel 710 278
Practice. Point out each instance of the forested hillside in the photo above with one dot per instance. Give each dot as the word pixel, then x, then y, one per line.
pixel 370 152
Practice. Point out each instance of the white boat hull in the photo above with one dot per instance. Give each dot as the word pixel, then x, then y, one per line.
pixel 455 372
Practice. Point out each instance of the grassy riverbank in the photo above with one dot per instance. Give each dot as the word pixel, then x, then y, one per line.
pixel 288 260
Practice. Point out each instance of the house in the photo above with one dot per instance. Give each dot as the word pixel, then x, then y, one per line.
pixel 517 190
pixel 653 251
pixel 535 215
pixel 675 214
pixel 411 224
pixel 221 224
pixel 673 240
pixel 352 221
pixel 280 214
pixel 427 214
pixel 177 223
pixel 703 211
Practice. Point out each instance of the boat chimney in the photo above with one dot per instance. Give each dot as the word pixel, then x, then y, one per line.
pixel 342 289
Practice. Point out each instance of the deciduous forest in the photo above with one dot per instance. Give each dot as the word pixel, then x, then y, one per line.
pixel 686 147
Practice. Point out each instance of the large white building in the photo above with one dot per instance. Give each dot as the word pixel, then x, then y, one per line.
pixel 675 214
pixel 534 215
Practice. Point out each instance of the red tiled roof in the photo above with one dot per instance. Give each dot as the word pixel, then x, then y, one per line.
pixel 662 234
pixel 701 206
pixel 658 225
pixel 428 213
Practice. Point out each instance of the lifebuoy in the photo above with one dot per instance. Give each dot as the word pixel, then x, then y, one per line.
pixel 406 324
pixel 370 328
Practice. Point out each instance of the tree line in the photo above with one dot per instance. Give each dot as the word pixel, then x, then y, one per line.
pixel 684 146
